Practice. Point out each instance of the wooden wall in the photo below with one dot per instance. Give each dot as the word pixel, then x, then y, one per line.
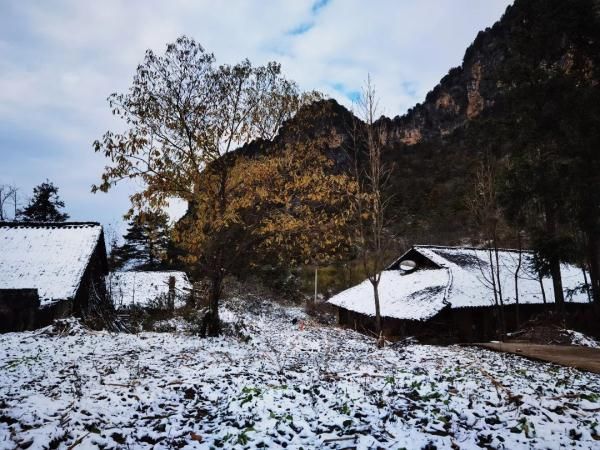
pixel 455 325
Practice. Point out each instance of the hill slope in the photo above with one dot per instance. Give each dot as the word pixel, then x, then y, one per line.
pixel 286 387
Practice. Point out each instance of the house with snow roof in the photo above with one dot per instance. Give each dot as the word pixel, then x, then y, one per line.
pixel 154 290
pixel 447 293
pixel 49 271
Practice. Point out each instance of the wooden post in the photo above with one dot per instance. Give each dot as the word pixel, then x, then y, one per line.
pixel 171 295
pixel 316 282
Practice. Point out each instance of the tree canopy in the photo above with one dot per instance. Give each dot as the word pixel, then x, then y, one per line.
pixel 184 112
pixel 45 206
pixel 146 243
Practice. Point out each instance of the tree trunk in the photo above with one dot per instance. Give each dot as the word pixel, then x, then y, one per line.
pixel 211 324
pixel 497 307
pixel 541 280
pixel 559 296
pixel 499 286
pixel 316 283
pixel 593 250
pixel 377 308
pixel 517 316
pixel 554 262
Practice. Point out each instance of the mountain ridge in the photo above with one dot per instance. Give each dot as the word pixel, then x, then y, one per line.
pixel 429 147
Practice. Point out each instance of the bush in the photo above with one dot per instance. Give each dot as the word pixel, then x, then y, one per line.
pixel 323 312
pixel 282 281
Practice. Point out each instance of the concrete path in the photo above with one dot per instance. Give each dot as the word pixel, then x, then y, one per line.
pixel 583 358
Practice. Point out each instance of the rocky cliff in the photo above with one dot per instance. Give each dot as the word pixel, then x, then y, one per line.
pixel 531 33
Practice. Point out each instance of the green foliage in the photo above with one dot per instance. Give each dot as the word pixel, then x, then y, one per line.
pixel 25 360
pixel 249 394
pixel 45 205
pixel 243 437
pixel 331 279
pixel 525 426
pixel 590 397
pixel 281 417
pixel 335 277
pixel 345 409
pixel 390 380
pixel 146 243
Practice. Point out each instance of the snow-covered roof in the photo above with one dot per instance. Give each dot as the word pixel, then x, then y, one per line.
pixel 143 288
pixel 459 277
pixel 49 257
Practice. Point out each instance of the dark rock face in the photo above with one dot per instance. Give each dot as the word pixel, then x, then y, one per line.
pixel 540 33
pixel 325 120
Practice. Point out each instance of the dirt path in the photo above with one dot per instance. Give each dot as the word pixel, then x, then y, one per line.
pixel 583 358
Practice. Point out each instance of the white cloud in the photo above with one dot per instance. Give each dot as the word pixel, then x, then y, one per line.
pixel 59 60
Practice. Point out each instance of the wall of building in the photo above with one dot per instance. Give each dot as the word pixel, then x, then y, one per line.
pixel 92 288
pixel 457 325
pixel 18 309
pixel 57 310
pixel 431 331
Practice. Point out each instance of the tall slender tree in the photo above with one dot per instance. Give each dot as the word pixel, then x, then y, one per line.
pixel 487 216
pixel 8 202
pixel 372 196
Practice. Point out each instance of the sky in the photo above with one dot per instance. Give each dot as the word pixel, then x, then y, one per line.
pixel 60 59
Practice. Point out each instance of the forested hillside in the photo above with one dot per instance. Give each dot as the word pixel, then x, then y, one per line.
pixel 437 144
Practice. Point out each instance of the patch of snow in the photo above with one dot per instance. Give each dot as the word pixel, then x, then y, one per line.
pixel 582 340
pixel 320 387
pixel 143 288
pixel 69 326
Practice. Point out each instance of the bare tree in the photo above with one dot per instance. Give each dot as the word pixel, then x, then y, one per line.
pixel 487 216
pixel 517 270
pixel 372 199
pixel 8 202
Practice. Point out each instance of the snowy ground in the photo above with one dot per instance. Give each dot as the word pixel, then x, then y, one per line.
pixel 320 387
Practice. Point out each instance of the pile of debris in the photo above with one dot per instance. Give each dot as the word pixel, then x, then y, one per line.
pixel 69 326
pixel 552 334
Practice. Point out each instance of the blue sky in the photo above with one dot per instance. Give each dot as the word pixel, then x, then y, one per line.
pixel 60 59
